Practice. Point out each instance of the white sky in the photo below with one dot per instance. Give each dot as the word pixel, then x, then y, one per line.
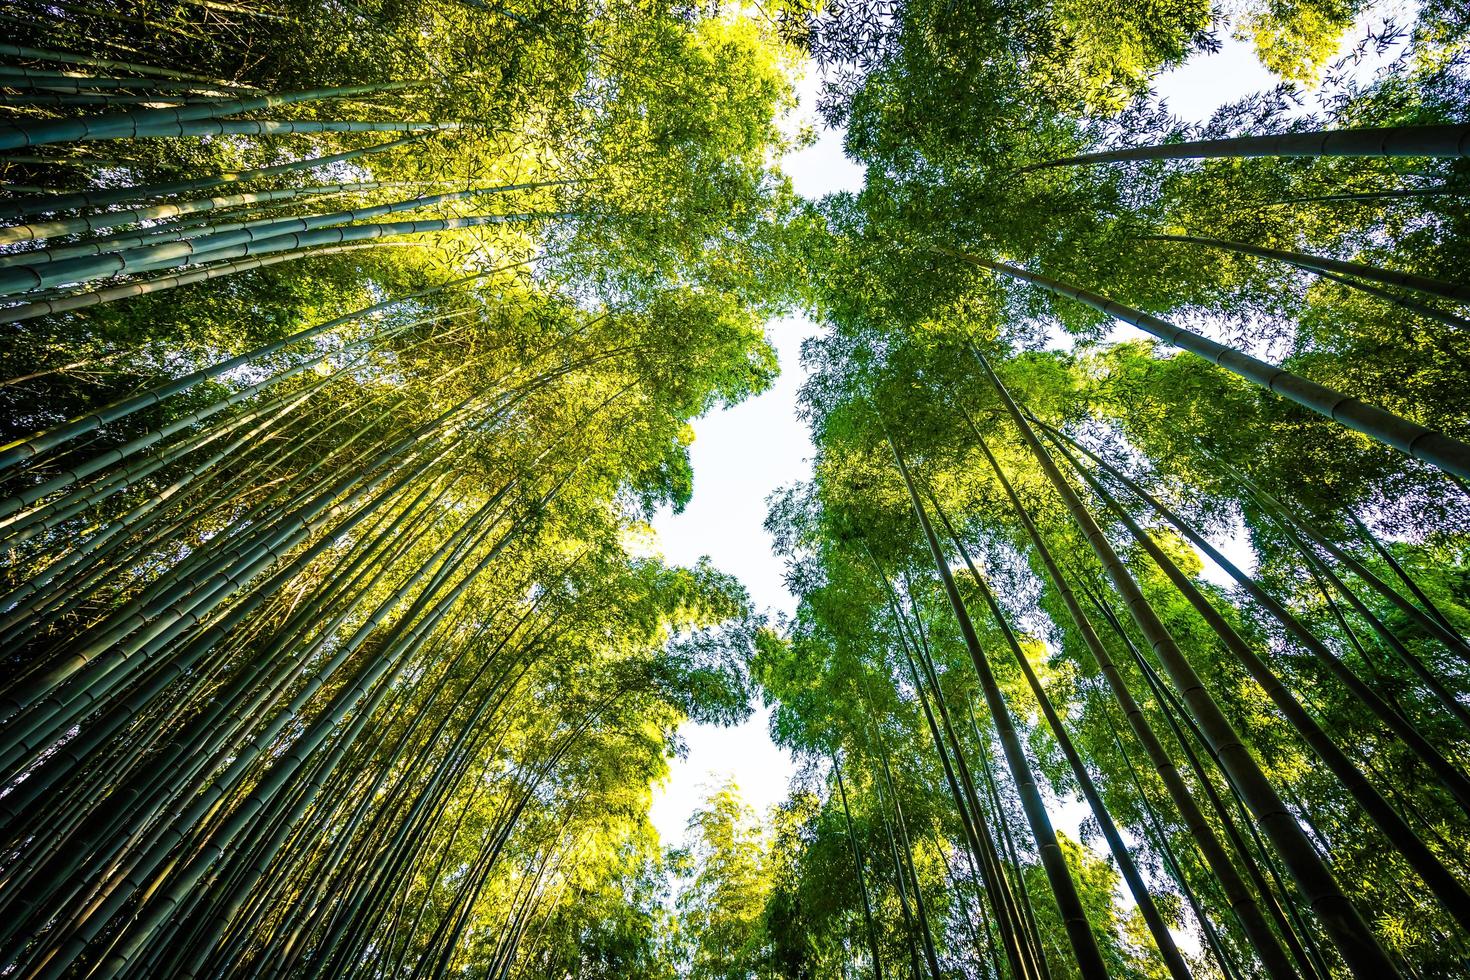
pixel 741 455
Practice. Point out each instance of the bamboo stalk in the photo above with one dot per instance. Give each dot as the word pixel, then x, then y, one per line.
pixel 108 197
pixel 71 58
pixel 1451 895
pixel 1243 903
pixel 21 279
pixel 1450 455
pixel 1170 954
pixel 56 436
pixel 155 122
pixel 1323 264
pixel 1453 779
pixel 1386 141
pixel 143 287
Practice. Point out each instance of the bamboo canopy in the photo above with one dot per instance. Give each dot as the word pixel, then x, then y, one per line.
pixel 353 356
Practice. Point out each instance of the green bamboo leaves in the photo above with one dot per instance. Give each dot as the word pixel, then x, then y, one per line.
pixel 332 605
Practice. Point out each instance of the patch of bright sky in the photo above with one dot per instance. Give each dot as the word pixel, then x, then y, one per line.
pixel 741 454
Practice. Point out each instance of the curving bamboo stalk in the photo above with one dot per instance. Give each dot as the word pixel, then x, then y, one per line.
pixel 24 278
pixel 153 122
pixel 1322 264
pixel 71 58
pixel 93 223
pixel 1388 141
pixel 1450 455
pixel 108 197
pixel 51 438
pixel 156 284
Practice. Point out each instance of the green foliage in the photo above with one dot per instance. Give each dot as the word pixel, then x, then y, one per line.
pixel 399 622
pixel 721 905
pixel 333 641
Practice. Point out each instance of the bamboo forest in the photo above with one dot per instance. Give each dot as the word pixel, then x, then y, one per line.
pixel 352 355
